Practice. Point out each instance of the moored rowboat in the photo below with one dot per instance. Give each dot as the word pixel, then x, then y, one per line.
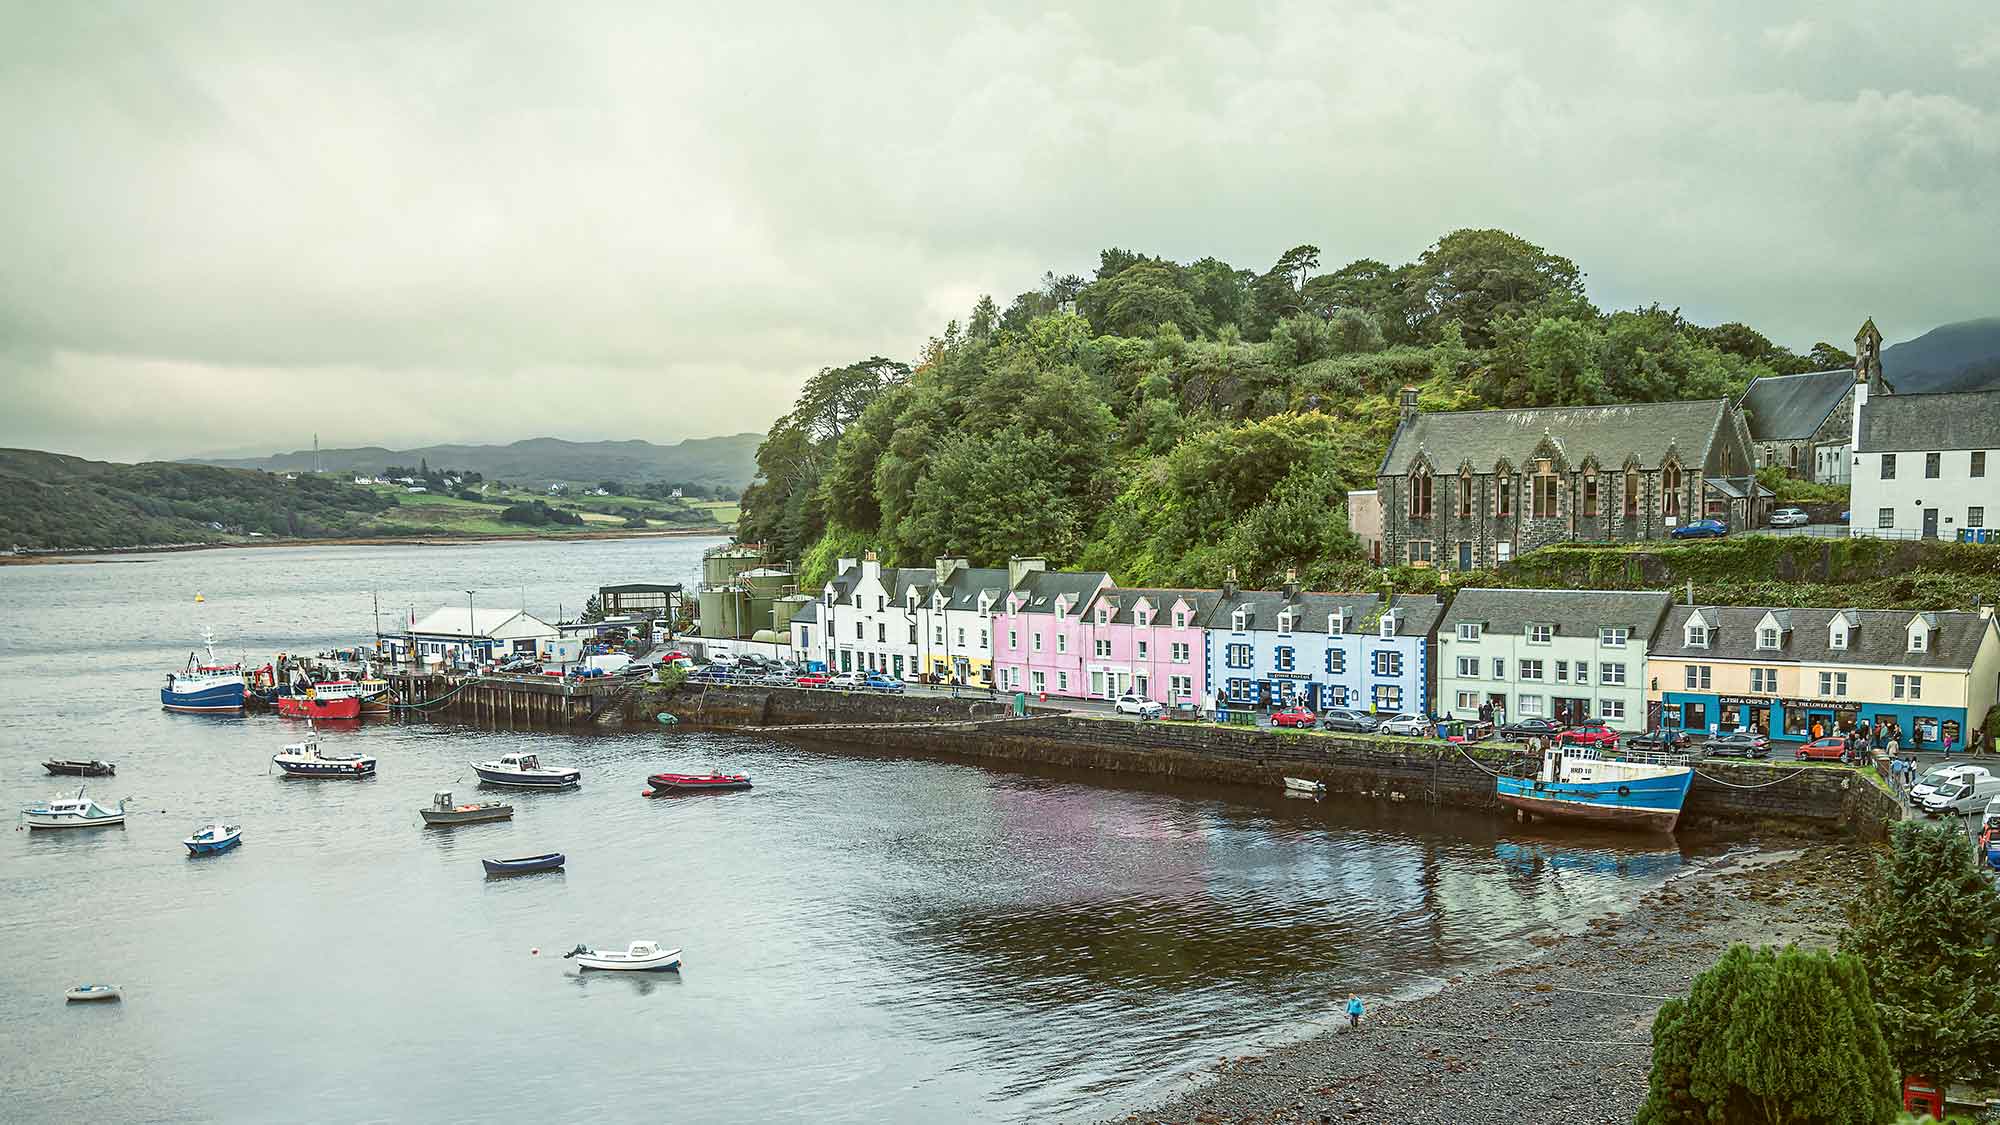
pixel 1301 785
pixel 92 992
pixel 92 768
pixel 524 865
pixel 640 957
pixel 696 782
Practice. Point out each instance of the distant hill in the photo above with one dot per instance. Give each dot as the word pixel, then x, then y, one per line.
pixel 1953 357
pixel 52 501
pixel 718 462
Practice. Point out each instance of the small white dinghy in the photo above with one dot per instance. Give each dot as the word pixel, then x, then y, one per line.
pixel 642 957
pixel 92 992
pixel 1301 785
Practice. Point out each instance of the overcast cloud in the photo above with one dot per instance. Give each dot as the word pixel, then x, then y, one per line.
pixel 226 226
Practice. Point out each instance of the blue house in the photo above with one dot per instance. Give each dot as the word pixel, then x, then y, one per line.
pixel 1275 648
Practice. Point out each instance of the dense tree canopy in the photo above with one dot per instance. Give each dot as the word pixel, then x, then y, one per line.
pixel 1171 422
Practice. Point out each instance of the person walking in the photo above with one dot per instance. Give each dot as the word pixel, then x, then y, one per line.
pixel 1354 1011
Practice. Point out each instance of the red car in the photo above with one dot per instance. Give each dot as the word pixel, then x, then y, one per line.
pixel 1830 749
pixel 811 679
pixel 1590 732
pixel 1294 717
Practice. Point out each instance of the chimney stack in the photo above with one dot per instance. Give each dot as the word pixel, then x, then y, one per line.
pixel 1229 583
pixel 1409 409
pixel 1291 583
pixel 871 566
pixel 947 566
pixel 1019 568
pixel 1690 591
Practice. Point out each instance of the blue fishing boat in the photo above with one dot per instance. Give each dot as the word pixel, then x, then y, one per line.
pixel 522 866
pixel 215 836
pixel 205 686
pixel 1577 783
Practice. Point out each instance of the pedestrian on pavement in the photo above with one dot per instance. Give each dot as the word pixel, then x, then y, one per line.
pixel 1354 1010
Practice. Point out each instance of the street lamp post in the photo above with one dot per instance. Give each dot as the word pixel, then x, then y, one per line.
pixel 471 629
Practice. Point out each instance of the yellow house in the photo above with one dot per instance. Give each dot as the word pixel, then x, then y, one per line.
pixel 1787 673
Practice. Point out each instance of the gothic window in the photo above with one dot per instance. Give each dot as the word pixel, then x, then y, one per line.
pixel 1670 488
pixel 1545 496
pixel 1420 494
pixel 1590 495
pixel 1465 493
pixel 1631 494
pixel 1504 503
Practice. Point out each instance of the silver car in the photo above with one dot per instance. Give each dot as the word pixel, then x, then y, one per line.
pixel 1790 517
pixel 1405 724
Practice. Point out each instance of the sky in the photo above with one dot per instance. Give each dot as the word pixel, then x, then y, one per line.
pixel 227 227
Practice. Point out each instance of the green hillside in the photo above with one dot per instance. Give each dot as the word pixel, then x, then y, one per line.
pixel 722 465
pixel 1173 422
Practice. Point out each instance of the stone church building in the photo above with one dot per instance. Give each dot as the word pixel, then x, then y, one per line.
pixel 1469 489
pixel 1803 423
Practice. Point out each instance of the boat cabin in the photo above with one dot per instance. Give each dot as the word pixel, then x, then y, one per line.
pixel 521 761
pixel 643 949
pixel 441 800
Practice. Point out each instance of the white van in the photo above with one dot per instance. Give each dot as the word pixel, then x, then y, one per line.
pixel 1968 794
pixel 1942 776
pixel 1992 816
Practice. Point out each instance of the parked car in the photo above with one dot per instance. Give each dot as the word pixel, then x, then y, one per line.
pixel 1700 529
pixel 848 680
pixel 1663 740
pixel 1521 730
pixel 1590 732
pixel 1737 744
pixel 1790 517
pixel 1346 718
pixel 1293 717
pixel 711 674
pixel 721 660
pixel 1129 704
pixel 1941 775
pixel 1414 725
pixel 876 681
pixel 1969 794
pixel 812 679
pixel 1832 748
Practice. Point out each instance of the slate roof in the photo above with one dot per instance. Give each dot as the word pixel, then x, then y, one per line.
pixel 963 588
pixel 1878 637
pixel 1791 407
pixel 1572 612
pixel 1950 420
pixel 1123 599
pixel 808 614
pixel 1041 588
pixel 1359 612
pixel 1485 437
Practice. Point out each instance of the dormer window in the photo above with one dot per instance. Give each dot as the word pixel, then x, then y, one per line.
pixel 1388 625
pixel 1238 621
pixel 1836 636
pixel 1285 623
pixel 1920 638
pixel 1767 637
pixel 1180 620
pixel 1541 634
pixel 1697 635
pixel 829 599
pixel 1103 616
pixel 1468 631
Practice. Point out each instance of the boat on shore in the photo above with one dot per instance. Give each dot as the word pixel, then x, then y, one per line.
pixel 204 686
pixel 89 992
pixel 1302 785
pixel 79 811
pixel 668 783
pixel 306 759
pixel 1577 783
pixel 72 768
pixel 524 865
pixel 639 957
pixel 526 771
pixel 442 813
pixel 215 836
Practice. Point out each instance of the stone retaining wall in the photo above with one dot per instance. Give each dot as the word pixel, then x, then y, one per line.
pixel 1390 769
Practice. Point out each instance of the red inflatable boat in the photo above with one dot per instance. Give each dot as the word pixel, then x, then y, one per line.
pixel 666 783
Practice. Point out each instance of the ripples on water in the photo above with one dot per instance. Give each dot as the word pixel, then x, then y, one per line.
pixel 868 938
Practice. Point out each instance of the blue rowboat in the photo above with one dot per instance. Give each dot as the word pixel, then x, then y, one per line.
pixel 1575 783
pixel 550 862
pixel 213 837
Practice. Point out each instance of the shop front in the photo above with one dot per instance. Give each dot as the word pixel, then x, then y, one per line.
pixel 1802 720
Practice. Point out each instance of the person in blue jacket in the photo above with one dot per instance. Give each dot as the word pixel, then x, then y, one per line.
pixel 1354 1011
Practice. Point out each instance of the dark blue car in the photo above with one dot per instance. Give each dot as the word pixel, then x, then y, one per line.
pixel 1700 529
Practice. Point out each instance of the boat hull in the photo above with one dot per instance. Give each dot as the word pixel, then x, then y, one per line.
pixel 557 779
pixel 46 820
pixel 695 783
pixel 82 769
pixel 667 962
pixel 302 707
pixel 525 866
pixel 1652 803
pixel 220 699
pixel 211 847
pixel 435 819
pixel 365 767
pixel 91 994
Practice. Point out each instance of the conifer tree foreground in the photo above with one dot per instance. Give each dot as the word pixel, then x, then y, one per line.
pixel 1927 927
pixel 1778 1036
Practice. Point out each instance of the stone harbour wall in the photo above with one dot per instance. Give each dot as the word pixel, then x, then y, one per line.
pixel 1730 795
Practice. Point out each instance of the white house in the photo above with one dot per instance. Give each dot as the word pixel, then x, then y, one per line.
pixel 907 622
pixel 456 635
pixel 1548 654
pixel 1926 464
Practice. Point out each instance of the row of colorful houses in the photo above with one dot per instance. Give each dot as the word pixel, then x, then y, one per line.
pixel 1634 659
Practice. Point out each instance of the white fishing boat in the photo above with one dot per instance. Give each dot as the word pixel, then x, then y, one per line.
pixel 306 759
pixel 526 771
pixel 74 812
pixel 1301 785
pixel 85 992
pixel 640 957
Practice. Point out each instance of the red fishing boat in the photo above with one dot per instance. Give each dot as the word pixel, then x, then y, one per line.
pixel 327 699
pixel 668 783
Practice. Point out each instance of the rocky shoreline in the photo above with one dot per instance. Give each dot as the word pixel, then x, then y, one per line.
pixel 1564 1035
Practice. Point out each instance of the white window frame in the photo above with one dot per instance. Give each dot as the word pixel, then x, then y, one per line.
pixel 1609 709
pixel 1541 634
pixel 1468 631
pixel 1613 636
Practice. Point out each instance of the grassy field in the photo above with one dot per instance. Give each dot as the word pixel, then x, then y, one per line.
pixel 450 515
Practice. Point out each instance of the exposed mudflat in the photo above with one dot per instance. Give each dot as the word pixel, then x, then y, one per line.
pixel 1517 1045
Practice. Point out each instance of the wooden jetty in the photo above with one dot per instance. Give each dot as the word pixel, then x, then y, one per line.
pixel 501 699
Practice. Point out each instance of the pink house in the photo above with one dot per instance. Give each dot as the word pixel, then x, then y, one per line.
pixel 1040 641
pixel 1149 642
